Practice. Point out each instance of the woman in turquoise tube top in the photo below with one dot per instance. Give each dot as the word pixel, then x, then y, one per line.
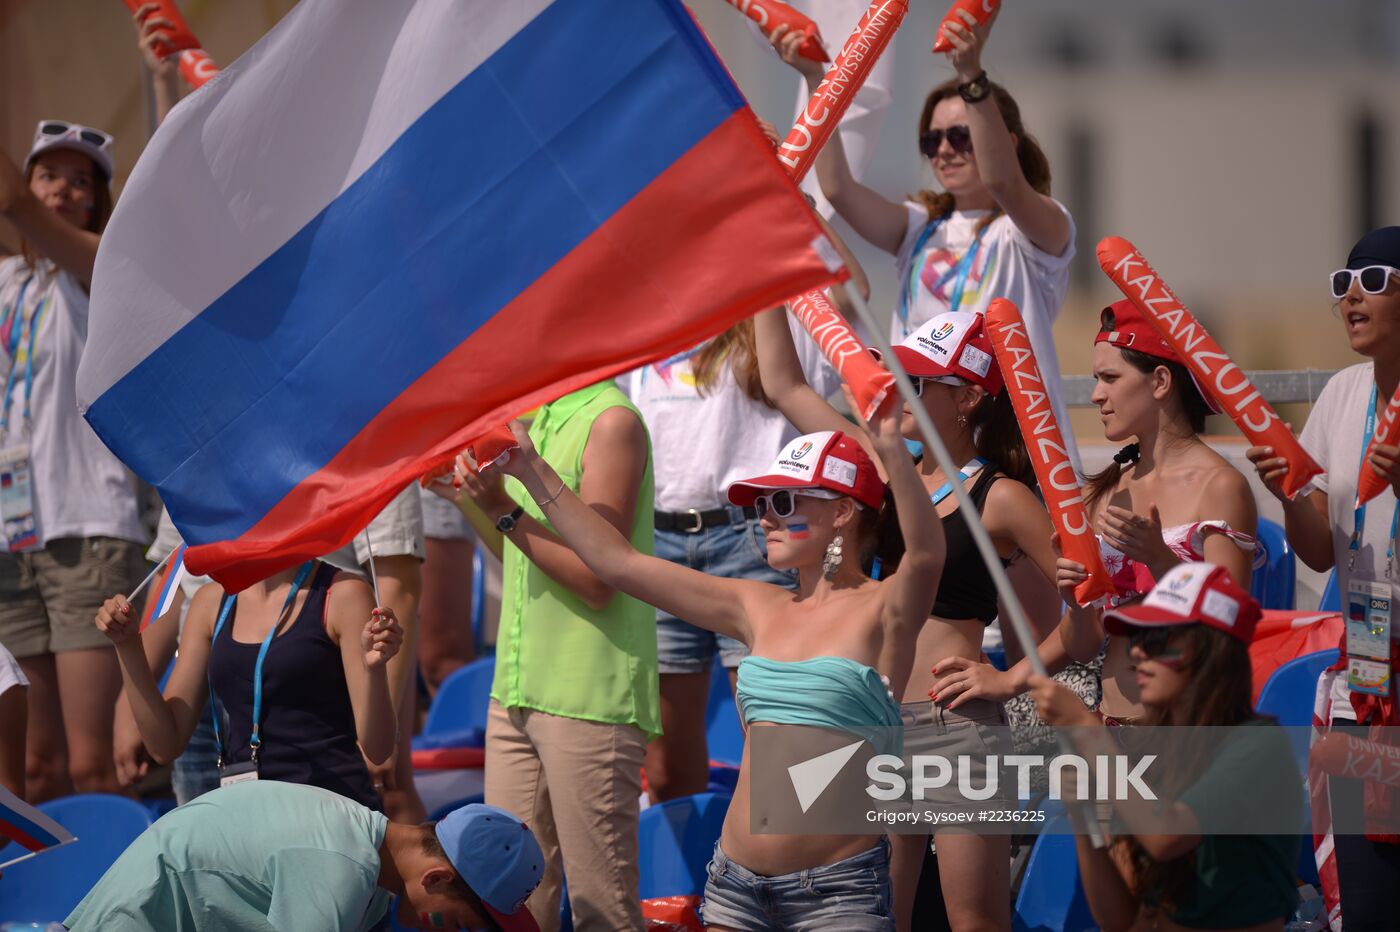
pixel 820 655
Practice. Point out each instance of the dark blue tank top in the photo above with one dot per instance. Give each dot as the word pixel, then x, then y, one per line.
pixel 308 726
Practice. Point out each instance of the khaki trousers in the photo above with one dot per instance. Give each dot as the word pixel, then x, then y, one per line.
pixel 577 784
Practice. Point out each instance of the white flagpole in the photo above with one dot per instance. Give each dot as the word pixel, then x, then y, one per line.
pixel 141 587
pixel 373 576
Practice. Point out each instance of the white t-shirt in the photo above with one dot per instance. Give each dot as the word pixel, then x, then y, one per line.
pixel 80 488
pixel 1007 265
pixel 700 444
pixel 1333 437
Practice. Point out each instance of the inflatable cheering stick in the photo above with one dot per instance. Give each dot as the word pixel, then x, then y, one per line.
pixel 770 14
pixel 868 381
pixel 1371 483
pixel 1214 370
pixel 196 67
pixel 178 37
pixel 843 79
pixel 982 11
pixel 1053 469
pixel 493 447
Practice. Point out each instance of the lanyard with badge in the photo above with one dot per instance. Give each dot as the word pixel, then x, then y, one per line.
pixel 21 526
pixel 1368 618
pixel 970 469
pixel 230 774
pixel 958 273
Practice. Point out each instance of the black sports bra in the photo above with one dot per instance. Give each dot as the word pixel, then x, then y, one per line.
pixel 966 590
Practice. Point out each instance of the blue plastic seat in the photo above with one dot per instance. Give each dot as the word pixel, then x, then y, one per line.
pixel 1051 898
pixel 676 841
pixel 1274 583
pixel 1288 693
pixel 441 812
pixel 1331 595
pixel 462 699
pixel 45 888
pixel 723 733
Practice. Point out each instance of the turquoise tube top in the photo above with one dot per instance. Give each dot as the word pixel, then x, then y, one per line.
pixel 831 692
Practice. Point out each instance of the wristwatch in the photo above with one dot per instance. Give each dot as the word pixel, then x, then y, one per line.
pixel 976 90
pixel 507 522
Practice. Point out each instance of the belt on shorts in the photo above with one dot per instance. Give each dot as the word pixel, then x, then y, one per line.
pixel 693 522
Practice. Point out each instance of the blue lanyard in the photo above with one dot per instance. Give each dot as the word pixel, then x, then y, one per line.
pixel 967 472
pixel 254 740
pixel 18 319
pixel 958 272
pixel 1359 519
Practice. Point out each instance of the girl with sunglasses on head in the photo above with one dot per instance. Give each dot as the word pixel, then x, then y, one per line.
pixel 819 656
pixel 952 701
pixel 71 531
pixel 993 231
pixel 1190 859
pixel 1328 532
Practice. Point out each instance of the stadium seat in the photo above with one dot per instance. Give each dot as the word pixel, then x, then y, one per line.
pixel 462 699
pixel 1331 595
pixel 1288 694
pixel 676 841
pixel 723 733
pixel 1273 584
pixel 1051 899
pixel 46 887
pixel 441 812
pixel 479 605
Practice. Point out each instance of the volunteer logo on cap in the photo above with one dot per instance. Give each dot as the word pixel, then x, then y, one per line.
pixel 1192 593
pixel 841 465
pixel 954 343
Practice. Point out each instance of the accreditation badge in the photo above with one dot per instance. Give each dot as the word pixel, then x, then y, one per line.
pixel 21 525
pixel 1368 624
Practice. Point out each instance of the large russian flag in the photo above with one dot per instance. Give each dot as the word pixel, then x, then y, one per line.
pixel 389 226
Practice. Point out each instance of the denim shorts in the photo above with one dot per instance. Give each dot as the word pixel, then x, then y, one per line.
pixel 853 894
pixel 735 551
pixel 196 770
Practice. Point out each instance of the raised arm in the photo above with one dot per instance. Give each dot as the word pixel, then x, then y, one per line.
pixel 368 637
pixel 1305 518
pixel 780 371
pixel 165 721
pixel 1035 214
pixel 72 248
pixel 151 31
pixel 876 218
pixel 711 602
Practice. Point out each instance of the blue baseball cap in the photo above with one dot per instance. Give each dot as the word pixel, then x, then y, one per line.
pixel 498 857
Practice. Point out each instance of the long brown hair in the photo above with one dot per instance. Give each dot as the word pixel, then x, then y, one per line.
pixel 997 437
pixel 1193 405
pixel 737 347
pixel 102 205
pixel 1034 165
pixel 1217 694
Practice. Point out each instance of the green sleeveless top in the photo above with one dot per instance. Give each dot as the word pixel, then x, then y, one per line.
pixel 553 652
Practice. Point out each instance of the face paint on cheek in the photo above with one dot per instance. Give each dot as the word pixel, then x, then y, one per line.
pixel 798 530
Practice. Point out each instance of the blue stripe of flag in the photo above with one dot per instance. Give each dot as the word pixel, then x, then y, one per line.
pixel 498 181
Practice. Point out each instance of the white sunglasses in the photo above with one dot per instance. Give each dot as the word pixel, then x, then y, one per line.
pixel 1374 279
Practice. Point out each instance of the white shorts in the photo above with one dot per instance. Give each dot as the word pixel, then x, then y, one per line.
pixel 397 531
pixel 441 519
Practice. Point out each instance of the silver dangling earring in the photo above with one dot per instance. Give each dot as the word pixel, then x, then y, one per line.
pixel 832 561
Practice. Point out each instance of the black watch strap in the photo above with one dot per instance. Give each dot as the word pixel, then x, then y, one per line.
pixel 976 90
pixel 507 522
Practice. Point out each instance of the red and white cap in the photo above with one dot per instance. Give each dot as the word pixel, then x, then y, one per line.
pixel 953 343
pixel 1131 330
pixel 1191 593
pixel 826 460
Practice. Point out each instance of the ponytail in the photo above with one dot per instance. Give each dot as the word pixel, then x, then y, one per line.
pixel 1101 483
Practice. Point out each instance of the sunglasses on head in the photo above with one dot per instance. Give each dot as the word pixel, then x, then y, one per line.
pixel 58 129
pixel 1373 278
pixel 1155 643
pixel 959 137
pixel 952 380
pixel 783 502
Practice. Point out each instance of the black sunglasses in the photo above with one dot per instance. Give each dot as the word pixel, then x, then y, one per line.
pixel 959 137
pixel 1155 643
pixel 1374 279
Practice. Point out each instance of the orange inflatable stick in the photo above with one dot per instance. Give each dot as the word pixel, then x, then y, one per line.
pixel 1213 369
pixel 866 378
pixel 178 37
pixel 1370 483
pixel 196 67
pixel 1357 759
pixel 770 14
pixel 829 101
pixel 982 10
pixel 1046 445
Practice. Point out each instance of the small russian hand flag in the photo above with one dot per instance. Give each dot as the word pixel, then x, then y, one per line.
pixel 29 828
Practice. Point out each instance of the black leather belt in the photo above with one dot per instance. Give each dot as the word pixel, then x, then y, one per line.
pixel 693 522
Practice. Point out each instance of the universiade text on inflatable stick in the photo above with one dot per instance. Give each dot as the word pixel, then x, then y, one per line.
pixel 981 10
pixel 1046 445
pixel 1341 755
pixel 196 67
pixel 177 37
pixel 868 381
pixel 1371 483
pixel 770 14
pixel 823 112
pixel 1213 369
